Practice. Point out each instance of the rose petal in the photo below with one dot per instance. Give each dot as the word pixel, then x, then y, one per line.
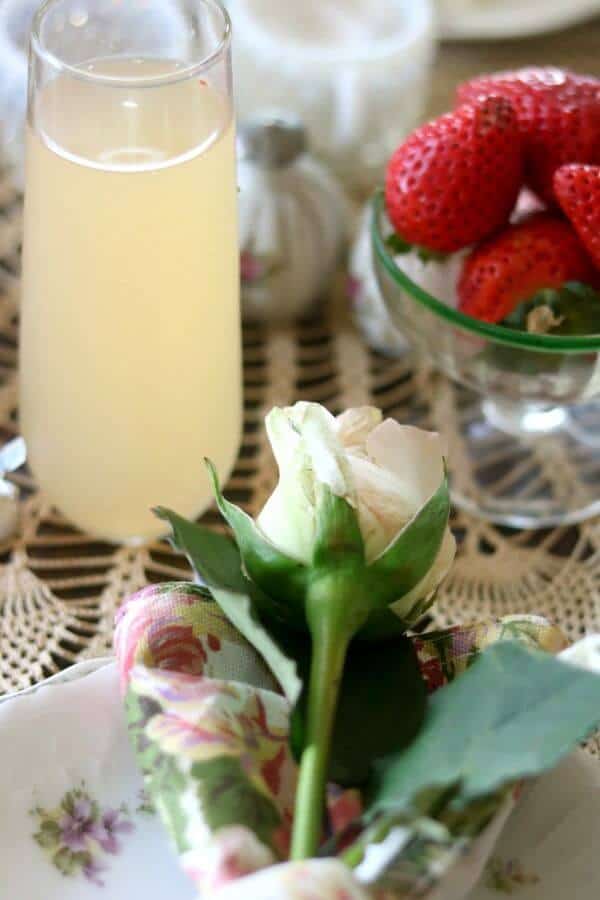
pixel 354 426
pixel 288 517
pixel 304 441
pixel 328 459
pixel 416 457
pixel 413 604
pixel 385 504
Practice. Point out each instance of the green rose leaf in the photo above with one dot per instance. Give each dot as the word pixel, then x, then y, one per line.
pixel 217 561
pixel 513 714
pixel 215 558
pixel 381 706
pixel 380 709
pixel 241 612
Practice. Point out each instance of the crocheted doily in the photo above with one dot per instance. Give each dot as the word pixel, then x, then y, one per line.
pixel 59 588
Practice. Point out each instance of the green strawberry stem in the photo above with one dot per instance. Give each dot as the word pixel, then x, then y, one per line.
pixel 327 614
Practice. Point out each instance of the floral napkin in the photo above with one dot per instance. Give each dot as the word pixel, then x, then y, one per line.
pixel 209 728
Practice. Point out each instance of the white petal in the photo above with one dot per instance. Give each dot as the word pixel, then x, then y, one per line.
pixel 354 426
pixel 304 441
pixel 413 455
pixel 385 504
pixel 327 456
pixel 287 520
pixel 426 587
pixel 299 412
pixel 288 517
pixel 283 436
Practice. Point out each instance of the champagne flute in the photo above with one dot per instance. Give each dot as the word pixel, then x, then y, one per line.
pixel 130 331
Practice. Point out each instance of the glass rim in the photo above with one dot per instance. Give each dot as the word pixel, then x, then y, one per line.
pixel 190 70
pixel 546 343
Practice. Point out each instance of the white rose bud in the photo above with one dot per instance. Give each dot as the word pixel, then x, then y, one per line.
pixel 386 471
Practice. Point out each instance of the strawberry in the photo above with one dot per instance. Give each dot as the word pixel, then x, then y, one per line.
pixel 577 188
pixel 541 252
pixel 456 179
pixel 558 113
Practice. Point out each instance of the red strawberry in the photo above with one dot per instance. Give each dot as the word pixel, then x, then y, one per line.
pixel 542 252
pixel 559 116
pixel 456 179
pixel 577 188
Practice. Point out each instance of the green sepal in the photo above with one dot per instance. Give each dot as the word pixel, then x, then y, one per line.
pixel 410 556
pixel 276 574
pixel 217 562
pixel 338 537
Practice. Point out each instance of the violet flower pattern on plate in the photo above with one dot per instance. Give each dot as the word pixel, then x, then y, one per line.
pixel 79 836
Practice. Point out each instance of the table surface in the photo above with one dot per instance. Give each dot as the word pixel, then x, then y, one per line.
pixel 59 589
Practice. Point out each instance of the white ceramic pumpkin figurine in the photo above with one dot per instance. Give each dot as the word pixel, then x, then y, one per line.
pixel 294 220
pixel 355 71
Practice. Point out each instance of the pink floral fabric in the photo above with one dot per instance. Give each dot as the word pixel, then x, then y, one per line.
pixel 176 626
pixel 210 729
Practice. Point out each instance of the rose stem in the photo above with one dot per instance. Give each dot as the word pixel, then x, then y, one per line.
pixel 329 645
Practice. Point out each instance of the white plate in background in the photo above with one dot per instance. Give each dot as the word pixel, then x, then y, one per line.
pixel 69 734
pixel 498 19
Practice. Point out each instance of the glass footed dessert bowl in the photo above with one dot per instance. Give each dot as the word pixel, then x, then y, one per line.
pixel 522 415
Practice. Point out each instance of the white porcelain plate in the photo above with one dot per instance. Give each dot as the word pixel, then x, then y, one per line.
pixel 497 19
pixel 75 824
pixel 74 821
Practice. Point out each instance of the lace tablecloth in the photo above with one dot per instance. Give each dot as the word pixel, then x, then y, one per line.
pixel 59 589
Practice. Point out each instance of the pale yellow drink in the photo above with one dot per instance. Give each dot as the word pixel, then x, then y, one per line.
pixel 130 344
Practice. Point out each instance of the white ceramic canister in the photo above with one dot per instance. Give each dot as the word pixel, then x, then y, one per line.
pixel 356 72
